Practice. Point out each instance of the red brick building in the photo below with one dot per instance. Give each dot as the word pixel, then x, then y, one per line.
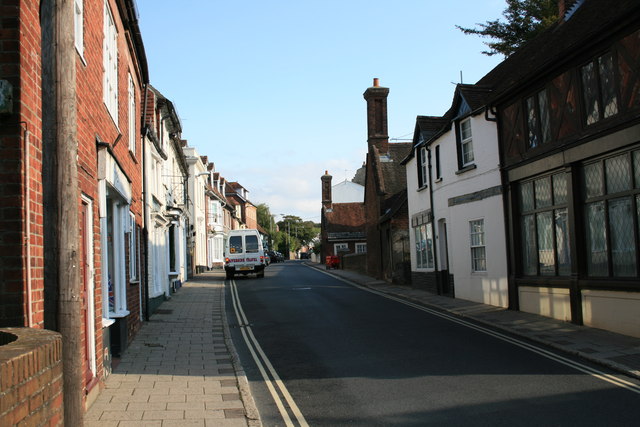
pixel 49 112
pixel 21 226
pixel 385 200
pixel 342 227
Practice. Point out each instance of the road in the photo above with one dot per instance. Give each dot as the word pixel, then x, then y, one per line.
pixel 320 352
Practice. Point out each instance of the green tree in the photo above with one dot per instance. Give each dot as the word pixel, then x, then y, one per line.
pixel 298 233
pixel 525 19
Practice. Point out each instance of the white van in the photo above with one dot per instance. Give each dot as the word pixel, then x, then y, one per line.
pixel 244 253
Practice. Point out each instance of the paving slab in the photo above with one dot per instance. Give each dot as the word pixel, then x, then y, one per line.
pixel 181 368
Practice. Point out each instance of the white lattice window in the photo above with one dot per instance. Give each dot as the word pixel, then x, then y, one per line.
pixel 110 59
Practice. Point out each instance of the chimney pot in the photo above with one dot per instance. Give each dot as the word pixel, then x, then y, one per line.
pixel 376 82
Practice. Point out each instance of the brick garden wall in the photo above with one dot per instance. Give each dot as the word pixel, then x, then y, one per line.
pixel 30 377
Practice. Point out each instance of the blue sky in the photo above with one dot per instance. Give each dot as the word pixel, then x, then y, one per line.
pixel 271 90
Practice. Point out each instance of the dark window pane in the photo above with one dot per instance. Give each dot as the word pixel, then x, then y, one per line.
pixel 559 189
pixel 608 86
pixel 532 120
pixel 562 242
pixel 526 197
pixel 545 244
pixel 590 93
pixel 596 240
pixel 545 124
pixel 529 256
pixel 618 172
pixel 252 243
pixel 636 167
pixel 593 180
pixel 623 249
pixel 543 193
pixel 235 244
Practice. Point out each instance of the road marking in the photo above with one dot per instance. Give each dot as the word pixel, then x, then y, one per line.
pixel 612 379
pixel 259 357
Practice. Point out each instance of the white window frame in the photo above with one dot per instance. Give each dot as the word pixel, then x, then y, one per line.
pixel 466 143
pixel 424 170
pixel 132 116
pixel 477 244
pixel 337 246
pixel 424 244
pixel 110 63
pixel 361 248
pixel 78 26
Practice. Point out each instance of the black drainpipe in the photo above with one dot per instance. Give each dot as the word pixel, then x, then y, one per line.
pixel 145 205
pixel 433 226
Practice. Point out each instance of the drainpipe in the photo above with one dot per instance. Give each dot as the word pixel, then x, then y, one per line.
pixel 145 205
pixel 433 225
pixel 27 212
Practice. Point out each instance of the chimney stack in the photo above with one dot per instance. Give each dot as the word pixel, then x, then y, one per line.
pixel 377 128
pixel 326 191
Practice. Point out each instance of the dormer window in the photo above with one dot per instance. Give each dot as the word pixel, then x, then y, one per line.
pixel 599 89
pixel 466 142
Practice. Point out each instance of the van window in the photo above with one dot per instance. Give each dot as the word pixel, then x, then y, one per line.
pixel 252 243
pixel 235 244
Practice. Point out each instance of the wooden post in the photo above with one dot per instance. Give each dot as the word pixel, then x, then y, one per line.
pixel 70 299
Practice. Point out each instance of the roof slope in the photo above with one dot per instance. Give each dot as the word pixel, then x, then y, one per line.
pixel 560 43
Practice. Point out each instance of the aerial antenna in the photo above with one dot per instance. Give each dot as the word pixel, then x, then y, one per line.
pixel 461 82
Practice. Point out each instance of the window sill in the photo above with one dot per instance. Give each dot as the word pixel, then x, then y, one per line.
pixel 118 314
pixel 134 282
pixel 438 180
pixel 467 168
pixel 424 187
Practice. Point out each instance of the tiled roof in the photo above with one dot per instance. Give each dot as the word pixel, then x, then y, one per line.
pixel 392 174
pixel 561 43
pixel 345 217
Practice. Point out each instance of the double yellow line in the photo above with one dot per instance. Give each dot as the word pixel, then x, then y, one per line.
pixel 282 398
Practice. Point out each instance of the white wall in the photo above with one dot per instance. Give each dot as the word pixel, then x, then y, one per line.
pixel 490 287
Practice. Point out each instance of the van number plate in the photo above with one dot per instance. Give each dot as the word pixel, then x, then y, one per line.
pixel 246 268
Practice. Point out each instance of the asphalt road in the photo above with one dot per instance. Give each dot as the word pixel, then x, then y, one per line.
pixel 343 356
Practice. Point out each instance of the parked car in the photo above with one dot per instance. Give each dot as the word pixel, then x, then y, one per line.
pixel 305 255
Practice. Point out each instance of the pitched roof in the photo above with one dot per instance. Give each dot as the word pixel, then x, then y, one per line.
pixel 345 217
pixel 561 43
pixel 391 175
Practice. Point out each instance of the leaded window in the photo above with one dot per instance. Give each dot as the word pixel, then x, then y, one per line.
pixel 599 89
pixel 538 121
pixel 611 191
pixel 424 246
pixel 544 226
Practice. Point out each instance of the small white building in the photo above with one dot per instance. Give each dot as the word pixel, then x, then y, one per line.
pixel 197 238
pixel 166 218
pixel 455 203
pixel 216 229
pixel 347 192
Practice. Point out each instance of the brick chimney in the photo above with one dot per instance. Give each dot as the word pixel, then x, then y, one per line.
pixel 377 130
pixel 326 190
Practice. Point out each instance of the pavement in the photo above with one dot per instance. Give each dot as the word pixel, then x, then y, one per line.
pixel 182 368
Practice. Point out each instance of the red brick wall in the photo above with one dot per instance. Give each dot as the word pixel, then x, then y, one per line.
pixel 95 121
pixel 31 378
pixel 20 64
